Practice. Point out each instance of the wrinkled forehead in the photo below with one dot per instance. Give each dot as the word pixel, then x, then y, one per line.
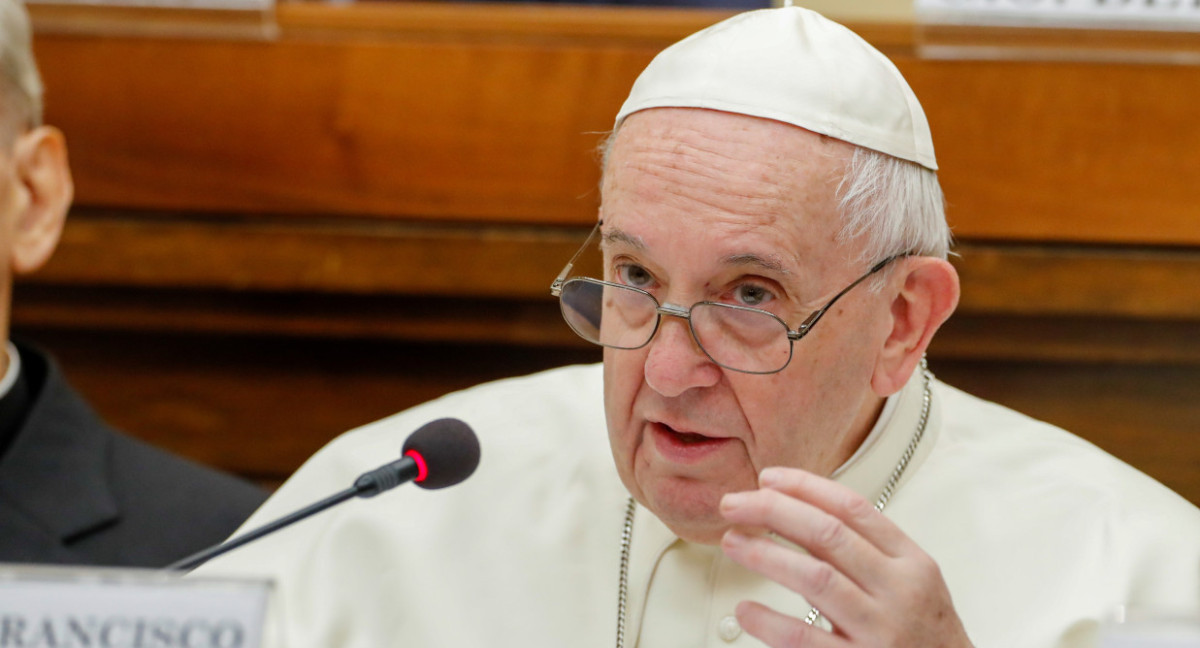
pixel 726 140
pixel 725 165
pixel 728 187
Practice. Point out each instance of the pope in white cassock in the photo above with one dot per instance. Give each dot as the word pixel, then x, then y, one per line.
pixel 780 467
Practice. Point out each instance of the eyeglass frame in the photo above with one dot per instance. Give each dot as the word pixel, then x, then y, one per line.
pixel 793 335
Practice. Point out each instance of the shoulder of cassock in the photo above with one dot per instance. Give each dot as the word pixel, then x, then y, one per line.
pixel 1025 517
pixel 552 420
pixel 369 570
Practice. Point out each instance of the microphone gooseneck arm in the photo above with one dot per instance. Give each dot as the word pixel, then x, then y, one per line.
pixel 369 484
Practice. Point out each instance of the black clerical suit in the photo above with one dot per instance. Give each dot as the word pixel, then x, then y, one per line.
pixel 75 491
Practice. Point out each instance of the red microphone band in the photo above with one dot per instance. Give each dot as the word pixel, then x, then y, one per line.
pixel 422 469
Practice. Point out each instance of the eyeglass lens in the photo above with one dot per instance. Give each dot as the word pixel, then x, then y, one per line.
pixel 623 318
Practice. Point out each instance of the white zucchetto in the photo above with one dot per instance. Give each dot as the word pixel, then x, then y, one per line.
pixel 791 65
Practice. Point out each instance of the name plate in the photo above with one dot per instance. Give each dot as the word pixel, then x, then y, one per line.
pixel 1173 15
pixel 53 607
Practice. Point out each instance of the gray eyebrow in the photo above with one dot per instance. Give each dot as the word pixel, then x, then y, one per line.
pixel 620 236
pixel 772 263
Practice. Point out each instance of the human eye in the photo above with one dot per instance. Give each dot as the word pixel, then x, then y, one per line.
pixel 752 295
pixel 632 274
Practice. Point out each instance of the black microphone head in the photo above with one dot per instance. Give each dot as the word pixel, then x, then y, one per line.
pixel 448 449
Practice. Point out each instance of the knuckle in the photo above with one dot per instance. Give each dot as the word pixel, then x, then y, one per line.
pixel 928 566
pixel 924 570
pixel 857 508
pixel 920 579
pixel 830 532
pixel 821 578
pixel 755 554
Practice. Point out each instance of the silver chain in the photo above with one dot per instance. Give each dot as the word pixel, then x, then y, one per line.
pixel 623 583
pixel 889 488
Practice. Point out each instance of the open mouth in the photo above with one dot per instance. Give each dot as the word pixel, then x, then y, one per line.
pixel 683 446
pixel 689 438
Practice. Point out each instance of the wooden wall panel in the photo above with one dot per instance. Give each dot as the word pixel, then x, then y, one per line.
pixel 519 262
pixel 403 111
pixel 1066 151
pixel 463 131
pixel 324 256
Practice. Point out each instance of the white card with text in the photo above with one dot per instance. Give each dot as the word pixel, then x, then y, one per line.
pixel 68 607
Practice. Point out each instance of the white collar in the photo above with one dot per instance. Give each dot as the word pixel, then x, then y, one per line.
pixel 885 416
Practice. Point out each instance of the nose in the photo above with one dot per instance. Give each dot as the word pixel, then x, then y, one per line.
pixel 675 363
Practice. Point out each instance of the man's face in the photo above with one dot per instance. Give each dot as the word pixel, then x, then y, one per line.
pixel 702 205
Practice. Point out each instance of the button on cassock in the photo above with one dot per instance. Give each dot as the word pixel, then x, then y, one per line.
pixel 728 628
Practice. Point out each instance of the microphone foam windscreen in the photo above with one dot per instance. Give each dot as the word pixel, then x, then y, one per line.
pixel 449 448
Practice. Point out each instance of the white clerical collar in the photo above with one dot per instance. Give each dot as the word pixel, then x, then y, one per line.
pixel 889 408
pixel 869 468
pixel 14 370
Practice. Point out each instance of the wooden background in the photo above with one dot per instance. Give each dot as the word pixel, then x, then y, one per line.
pixel 291 226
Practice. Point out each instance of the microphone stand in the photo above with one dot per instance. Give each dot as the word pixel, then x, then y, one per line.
pixel 369 484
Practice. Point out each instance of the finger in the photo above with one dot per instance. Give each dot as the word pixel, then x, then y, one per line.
pixel 822 534
pixel 839 599
pixel 844 504
pixel 782 631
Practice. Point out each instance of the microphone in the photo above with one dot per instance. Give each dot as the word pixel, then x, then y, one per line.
pixel 440 453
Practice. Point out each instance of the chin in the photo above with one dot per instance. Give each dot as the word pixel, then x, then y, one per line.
pixel 688 509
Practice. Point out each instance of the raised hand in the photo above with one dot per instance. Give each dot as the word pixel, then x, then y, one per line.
pixel 870 580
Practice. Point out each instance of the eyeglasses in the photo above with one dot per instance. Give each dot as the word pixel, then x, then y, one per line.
pixel 740 338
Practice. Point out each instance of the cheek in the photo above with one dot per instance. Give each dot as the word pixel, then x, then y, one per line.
pixel 792 414
pixel 843 345
pixel 774 408
pixel 622 380
pixel 803 414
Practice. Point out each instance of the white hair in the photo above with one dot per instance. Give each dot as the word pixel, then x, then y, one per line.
pixel 894 206
pixel 20 84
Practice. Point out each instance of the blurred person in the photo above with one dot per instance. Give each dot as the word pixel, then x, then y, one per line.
pixel 72 489
pixel 763 458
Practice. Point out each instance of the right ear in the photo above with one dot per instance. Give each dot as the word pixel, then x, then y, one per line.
pixel 927 296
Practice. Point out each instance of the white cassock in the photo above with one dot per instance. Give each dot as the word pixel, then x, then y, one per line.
pixel 1039 534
